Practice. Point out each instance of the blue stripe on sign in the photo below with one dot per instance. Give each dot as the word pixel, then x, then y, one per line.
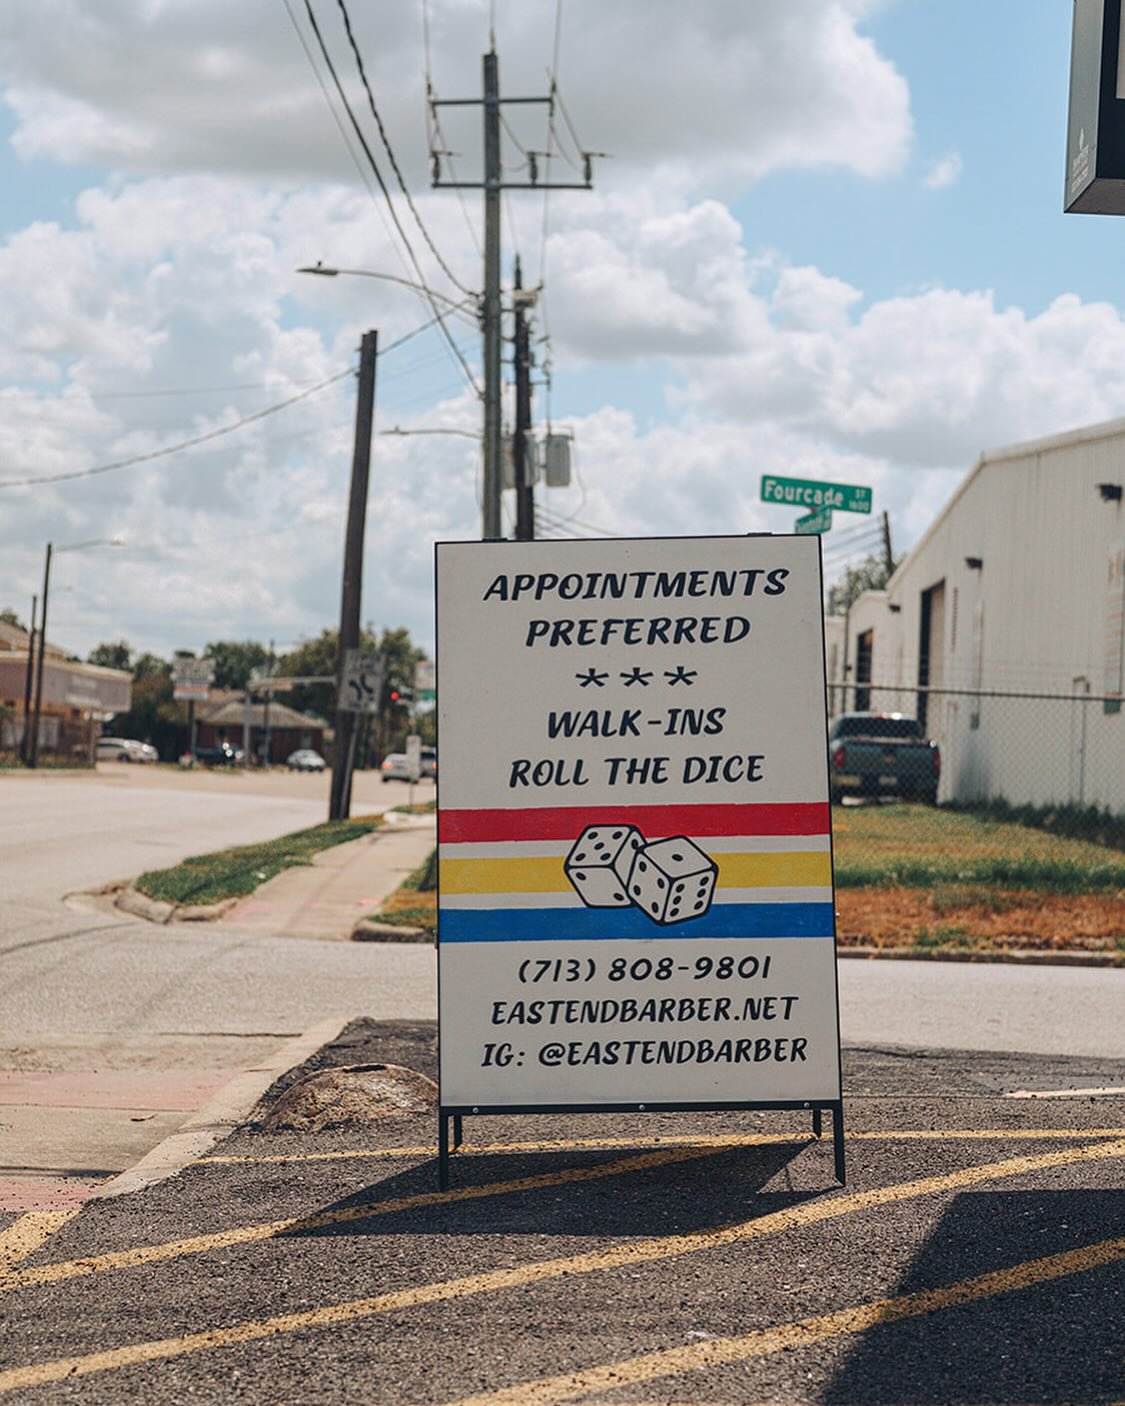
pixel 609 924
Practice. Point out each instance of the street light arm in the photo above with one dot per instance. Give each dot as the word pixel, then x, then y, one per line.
pixel 93 542
pixel 327 271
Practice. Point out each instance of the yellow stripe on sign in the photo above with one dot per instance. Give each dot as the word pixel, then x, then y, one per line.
pixel 612 1257
pixel 786 869
pixel 723 1352
pixel 533 875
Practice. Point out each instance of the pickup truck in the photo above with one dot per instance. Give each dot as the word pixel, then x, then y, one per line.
pixel 882 754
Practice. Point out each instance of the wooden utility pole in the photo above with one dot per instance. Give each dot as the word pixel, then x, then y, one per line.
pixel 25 748
pixel 33 749
pixel 344 749
pixel 493 183
pixel 521 431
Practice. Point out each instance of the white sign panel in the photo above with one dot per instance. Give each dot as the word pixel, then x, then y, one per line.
pixel 362 682
pixel 191 679
pixel 635 867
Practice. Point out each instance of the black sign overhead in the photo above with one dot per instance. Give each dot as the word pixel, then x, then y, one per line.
pixel 1095 144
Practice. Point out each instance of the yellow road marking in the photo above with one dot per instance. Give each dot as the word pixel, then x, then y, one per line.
pixel 246 1235
pixel 685 1140
pixel 26 1234
pixel 720 1352
pixel 1104 1091
pixel 492 1281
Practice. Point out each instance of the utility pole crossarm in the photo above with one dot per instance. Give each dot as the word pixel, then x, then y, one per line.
pixel 513 185
pixel 493 183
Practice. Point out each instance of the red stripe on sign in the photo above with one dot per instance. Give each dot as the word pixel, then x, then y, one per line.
pixel 566 822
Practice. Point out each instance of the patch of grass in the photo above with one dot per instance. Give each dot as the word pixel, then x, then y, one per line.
pixel 418 808
pixel 923 847
pixel 424 878
pixel 945 935
pixel 1090 823
pixel 949 898
pixel 232 873
pixel 414 903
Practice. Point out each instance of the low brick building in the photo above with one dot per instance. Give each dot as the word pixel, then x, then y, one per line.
pixel 77 699
pixel 226 718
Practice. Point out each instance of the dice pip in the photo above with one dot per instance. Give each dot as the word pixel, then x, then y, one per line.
pixel 599 862
pixel 672 880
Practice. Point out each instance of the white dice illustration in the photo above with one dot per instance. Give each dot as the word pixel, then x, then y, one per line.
pixel 599 862
pixel 672 880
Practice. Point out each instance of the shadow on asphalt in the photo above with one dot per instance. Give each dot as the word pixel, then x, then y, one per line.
pixel 1056 1342
pixel 664 1200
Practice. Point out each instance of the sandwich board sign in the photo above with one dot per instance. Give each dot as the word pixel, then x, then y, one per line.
pixel 635 903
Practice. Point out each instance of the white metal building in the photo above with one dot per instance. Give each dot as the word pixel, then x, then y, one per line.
pixel 1018 588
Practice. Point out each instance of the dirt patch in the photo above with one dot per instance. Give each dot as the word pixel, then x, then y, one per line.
pixel 902 917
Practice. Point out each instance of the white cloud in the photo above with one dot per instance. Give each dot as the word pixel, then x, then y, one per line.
pixel 945 172
pixel 177 273
pixel 202 85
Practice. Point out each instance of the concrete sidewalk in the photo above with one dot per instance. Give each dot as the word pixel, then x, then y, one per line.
pixel 327 898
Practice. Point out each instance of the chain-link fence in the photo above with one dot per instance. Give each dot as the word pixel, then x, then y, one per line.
pixel 1025 845
pixel 62 741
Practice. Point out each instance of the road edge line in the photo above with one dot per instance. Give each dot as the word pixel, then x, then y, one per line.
pixel 221 1114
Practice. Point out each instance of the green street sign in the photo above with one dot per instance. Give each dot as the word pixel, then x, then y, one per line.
pixel 819 521
pixel 808 493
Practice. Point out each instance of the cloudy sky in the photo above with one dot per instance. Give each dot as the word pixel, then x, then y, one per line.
pixel 826 241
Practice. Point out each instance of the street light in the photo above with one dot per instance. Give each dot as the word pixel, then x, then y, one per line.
pixel 327 271
pixel 33 745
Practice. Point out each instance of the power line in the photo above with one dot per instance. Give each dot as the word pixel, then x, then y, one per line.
pixel 364 175
pixel 174 448
pixel 434 133
pixel 390 151
pixel 423 286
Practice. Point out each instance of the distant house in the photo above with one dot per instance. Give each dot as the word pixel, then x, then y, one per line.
pixel 77 698
pixel 226 718
pixel 1004 629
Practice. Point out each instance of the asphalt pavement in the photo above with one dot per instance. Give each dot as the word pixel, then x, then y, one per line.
pixel 975 1254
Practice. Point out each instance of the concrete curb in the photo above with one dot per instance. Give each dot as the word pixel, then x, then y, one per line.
pixel 371 930
pixel 129 900
pixel 1016 957
pixel 221 1114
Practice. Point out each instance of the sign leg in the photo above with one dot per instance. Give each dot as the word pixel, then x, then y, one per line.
pixel 817 1122
pixel 838 1141
pixel 457 1126
pixel 443 1152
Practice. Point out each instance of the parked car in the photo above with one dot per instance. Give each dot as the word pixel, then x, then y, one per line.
pixel 429 762
pixel 396 767
pixel 124 749
pixel 223 754
pixel 882 754
pixel 305 759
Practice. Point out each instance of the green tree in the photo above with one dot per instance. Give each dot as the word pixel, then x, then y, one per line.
pixel 386 731
pixel 117 655
pixel 154 715
pixel 871 574
pixel 235 660
pixel 9 617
